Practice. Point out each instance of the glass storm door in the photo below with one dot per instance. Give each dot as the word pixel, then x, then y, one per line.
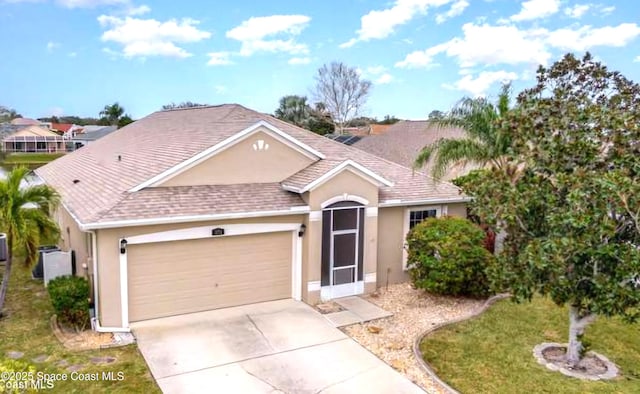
pixel 343 225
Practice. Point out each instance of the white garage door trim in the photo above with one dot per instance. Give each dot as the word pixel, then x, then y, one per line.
pixel 206 232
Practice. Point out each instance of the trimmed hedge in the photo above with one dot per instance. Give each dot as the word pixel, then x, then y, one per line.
pixel 70 298
pixel 447 256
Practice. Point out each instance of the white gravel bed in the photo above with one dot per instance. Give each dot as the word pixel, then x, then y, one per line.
pixel 414 311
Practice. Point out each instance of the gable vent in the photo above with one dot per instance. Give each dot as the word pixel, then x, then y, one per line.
pixel 260 145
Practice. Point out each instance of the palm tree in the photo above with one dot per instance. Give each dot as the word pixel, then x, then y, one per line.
pixel 24 217
pixel 485 143
pixel 294 109
pixel 112 113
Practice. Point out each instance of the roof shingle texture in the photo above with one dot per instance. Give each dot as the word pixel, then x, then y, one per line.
pixel 94 181
pixel 403 141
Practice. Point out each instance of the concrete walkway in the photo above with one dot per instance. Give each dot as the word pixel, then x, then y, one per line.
pixel 273 347
pixel 357 310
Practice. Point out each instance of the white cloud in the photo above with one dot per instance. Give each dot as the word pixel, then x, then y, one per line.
pixel 51 46
pixel 607 10
pixel 72 54
pixel 485 44
pixel 587 37
pixel 577 10
pixel 222 58
pixel 380 24
pixel 149 37
pixel 478 86
pixel 378 74
pixel 384 79
pixel 89 3
pixel 55 111
pixel 137 10
pixel 220 89
pixel 536 9
pixel 422 59
pixel 257 34
pixel 456 9
pixel 299 60
pixel 637 59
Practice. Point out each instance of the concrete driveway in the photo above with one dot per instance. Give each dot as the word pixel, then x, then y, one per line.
pixel 272 347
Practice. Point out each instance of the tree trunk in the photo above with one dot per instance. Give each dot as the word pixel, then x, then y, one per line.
pixel 577 323
pixel 6 275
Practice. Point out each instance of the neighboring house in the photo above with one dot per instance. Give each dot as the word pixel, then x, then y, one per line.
pixel 371 129
pixel 25 122
pixel 195 209
pixel 85 138
pixel 403 141
pixel 33 139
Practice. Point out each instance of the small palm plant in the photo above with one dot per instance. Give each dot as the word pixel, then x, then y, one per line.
pixel 25 218
pixel 485 143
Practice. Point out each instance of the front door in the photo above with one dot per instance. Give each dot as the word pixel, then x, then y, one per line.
pixel 343 237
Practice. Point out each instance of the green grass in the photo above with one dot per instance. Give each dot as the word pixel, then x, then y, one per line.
pixel 493 352
pixel 29 159
pixel 26 329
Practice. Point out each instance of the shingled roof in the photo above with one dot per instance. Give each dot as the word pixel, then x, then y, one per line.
pixel 403 141
pixel 95 182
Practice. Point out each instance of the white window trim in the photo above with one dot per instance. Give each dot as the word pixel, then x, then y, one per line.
pixel 205 232
pixel 344 197
pixel 440 210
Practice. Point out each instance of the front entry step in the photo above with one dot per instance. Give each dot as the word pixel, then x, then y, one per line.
pixel 357 310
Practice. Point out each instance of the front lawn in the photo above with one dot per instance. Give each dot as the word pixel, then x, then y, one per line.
pixel 26 329
pixel 31 160
pixel 493 352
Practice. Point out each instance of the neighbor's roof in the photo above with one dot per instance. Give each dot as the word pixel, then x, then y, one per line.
pixel 95 134
pixel 403 141
pixel 25 122
pixel 33 131
pixel 94 181
pixel 64 127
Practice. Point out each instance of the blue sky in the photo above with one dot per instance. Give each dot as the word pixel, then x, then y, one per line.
pixel 71 57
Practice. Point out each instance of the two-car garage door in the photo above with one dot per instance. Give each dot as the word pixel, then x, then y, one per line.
pixel 176 277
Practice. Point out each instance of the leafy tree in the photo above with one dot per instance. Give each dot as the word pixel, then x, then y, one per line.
pixel 447 256
pixel 124 120
pixel 388 119
pixel 80 121
pixel 361 121
pixel 572 214
pixel 8 114
pixel 294 109
pixel 484 143
pixel 342 91
pixel 112 114
pixel 320 121
pixel 184 104
pixel 24 217
pixel 435 115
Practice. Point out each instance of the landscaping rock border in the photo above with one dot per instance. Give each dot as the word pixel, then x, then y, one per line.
pixel 416 344
pixel 538 353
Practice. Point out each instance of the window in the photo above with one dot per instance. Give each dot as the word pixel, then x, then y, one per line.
pixel 416 217
pixel 41 146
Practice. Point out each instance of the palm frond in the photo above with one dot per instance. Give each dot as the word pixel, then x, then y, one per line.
pixel 452 151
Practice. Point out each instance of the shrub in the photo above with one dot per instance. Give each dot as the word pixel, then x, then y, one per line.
pixel 70 298
pixel 447 256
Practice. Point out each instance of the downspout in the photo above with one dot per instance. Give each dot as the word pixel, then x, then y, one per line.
pixel 94 254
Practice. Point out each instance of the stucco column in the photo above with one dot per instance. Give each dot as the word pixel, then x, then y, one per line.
pixel 370 249
pixel 313 265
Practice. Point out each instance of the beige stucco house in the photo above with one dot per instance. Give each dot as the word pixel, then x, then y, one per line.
pixel 194 209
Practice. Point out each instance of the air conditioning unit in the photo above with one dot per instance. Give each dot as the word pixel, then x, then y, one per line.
pixel 3 247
